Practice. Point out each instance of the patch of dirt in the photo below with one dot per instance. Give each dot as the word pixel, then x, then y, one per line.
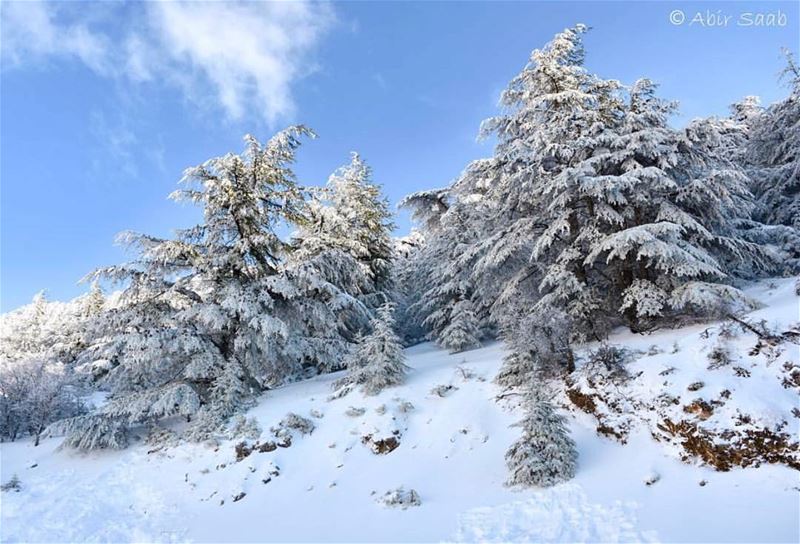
pixel 590 403
pixel 723 451
pixel 582 400
pixel 700 408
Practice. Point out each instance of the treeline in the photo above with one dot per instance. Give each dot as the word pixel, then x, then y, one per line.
pixel 592 213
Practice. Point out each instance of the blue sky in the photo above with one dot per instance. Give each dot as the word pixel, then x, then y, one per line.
pixel 102 105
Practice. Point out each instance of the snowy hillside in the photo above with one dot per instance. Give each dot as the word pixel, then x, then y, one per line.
pixel 444 434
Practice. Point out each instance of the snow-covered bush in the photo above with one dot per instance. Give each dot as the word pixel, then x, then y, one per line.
pixel 608 359
pixel 294 422
pixel 353 411
pixel 545 454
pixel 400 498
pixel 243 427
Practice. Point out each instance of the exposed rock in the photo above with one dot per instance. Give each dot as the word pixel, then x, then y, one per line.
pixel 381 446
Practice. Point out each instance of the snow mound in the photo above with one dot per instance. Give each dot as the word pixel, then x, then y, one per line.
pixel 560 514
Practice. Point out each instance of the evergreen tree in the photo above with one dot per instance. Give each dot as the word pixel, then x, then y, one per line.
pixel 93 302
pixel 545 455
pixel 462 331
pixel 377 361
pixel 622 210
pixel 774 152
pixel 539 346
pixel 442 277
pixel 406 273
pixel 350 215
pixel 218 314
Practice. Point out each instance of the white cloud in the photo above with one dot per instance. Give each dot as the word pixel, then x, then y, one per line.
pixel 36 31
pixel 250 53
pixel 247 56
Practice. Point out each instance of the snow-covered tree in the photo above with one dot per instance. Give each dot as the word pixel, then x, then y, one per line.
pixel 377 361
pixel 210 318
pixel 408 290
pixel 351 215
pixel 774 152
pixel 33 394
pixel 622 209
pixel 48 330
pixel 441 277
pixel 544 455
pixel 539 346
pixel 93 302
pixel 592 209
pixel 462 331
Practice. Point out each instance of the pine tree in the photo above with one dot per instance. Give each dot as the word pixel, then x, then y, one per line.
pixel 774 151
pixel 377 361
pixel 593 208
pixel 545 455
pixel 443 271
pixel 462 331
pixel 218 314
pixel 94 301
pixel 350 215
pixel 538 341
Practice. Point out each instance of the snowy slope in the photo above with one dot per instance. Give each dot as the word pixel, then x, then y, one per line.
pixel 450 451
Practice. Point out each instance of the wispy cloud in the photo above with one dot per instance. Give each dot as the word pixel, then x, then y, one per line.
pixel 117 141
pixel 37 31
pixel 247 56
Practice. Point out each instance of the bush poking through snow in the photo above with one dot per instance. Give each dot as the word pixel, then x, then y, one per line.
pixel 443 390
pixel 12 485
pixel 352 411
pixel 245 428
pixel 400 498
pixel 718 357
pixel 292 422
pixel 545 454
pixel 381 446
pixel 404 406
pixel 609 360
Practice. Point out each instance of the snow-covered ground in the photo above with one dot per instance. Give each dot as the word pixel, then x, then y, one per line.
pixel 325 485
